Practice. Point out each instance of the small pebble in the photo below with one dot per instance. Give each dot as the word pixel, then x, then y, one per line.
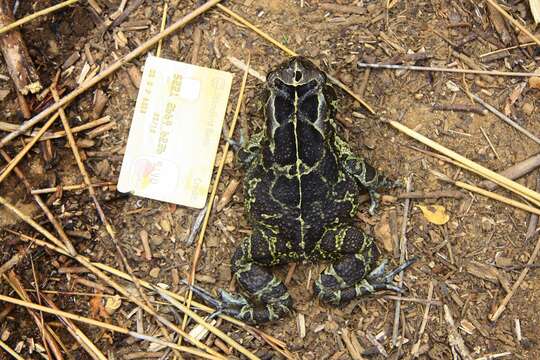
pixel 528 108
pixel 155 272
pixel 165 225
pixel 156 240
pixel 346 78
pixel 487 224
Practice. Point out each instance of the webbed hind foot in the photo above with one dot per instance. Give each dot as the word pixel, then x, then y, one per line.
pixel 375 281
pixel 240 307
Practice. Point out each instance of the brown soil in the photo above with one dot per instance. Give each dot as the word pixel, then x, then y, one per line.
pixel 479 230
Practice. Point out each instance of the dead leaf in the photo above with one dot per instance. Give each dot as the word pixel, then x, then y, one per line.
pixel 96 307
pixel 112 304
pixel 534 82
pixel 514 96
pixel 435 214
pixel 383 233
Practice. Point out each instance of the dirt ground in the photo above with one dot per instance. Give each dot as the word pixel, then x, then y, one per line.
pixel 470 260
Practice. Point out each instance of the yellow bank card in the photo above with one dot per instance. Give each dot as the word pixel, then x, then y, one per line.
pixel 175 132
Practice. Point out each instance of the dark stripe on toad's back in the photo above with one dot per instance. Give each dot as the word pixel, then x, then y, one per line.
pixel 285 145
pixel 311 143
pixel 309 108
pixel 283 109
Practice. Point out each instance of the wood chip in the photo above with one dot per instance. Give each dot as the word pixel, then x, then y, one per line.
pixel 352 345
pixel 301 325
pixel 454 338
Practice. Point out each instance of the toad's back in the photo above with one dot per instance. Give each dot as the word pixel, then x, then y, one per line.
pixel 295 185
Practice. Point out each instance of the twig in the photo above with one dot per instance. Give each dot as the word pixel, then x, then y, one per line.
pixel 460 107
pixel 472 64
pixel 291 53
pixel 494 356
pixel 93 267
pixel 71 187
pixel 213 192
pixel 504 118
pixel 489 142
pixel 25 109
pixel 488 194
pixel 163 23
pixel 454 338
pixel 402 253
pixel 533 219
pixel 499 24
pixel 106 120
pixel 515 171
pixel 133 5
pixel 77 333
pixel 196 226
pixel 42 205
pixel 242 66
pixel 500 309
pixel 35 15
pixel 148 44
pixel 349 9
pixel 506 49
pixel 12 262
pixel 470 165
pixel 10 351
pixel 46 331
pixel 415 300
pixel 106 326
pixel 227 194
pixel 450 70
pixel 196 46
pixel 364 83
pixel 431 194
pixel 377 344
pixel 416 346
pixel 26 148
pixel 352 348
pixel 514 21
pixel 17 58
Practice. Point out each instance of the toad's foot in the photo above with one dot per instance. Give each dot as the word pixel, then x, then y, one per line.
pixel 375 281
pixel 239 307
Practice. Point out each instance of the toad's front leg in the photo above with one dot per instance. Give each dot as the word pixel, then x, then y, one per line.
pixel 267 298
pixel 365 174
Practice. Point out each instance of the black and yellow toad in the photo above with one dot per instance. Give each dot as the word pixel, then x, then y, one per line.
pixel 302 190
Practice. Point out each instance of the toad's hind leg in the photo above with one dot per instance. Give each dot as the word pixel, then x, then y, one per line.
pixel 351 274
pixel 267 298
